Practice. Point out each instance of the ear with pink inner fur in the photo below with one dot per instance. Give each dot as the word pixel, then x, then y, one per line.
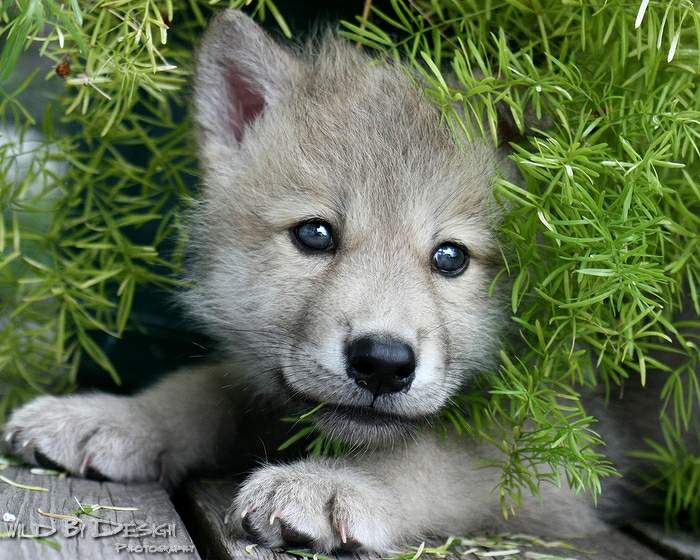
pixel 240 73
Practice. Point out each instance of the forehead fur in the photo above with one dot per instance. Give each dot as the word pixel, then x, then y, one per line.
pixel 351 133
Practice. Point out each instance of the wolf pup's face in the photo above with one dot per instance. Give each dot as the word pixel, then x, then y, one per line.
pixel 345 242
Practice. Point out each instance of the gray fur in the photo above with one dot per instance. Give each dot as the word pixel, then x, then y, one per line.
pixel 356 142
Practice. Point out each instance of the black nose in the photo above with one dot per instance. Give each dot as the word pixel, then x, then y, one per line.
pixel 381 365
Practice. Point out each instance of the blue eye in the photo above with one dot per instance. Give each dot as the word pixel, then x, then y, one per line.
pixel 450 259
pixel 314 235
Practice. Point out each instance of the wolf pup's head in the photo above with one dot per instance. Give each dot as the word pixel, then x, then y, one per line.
pixel 345 239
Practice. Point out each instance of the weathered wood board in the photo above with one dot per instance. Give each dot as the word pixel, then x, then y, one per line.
pixel 671 544
pixel 154 530
pixel 204 503
pixel 157 530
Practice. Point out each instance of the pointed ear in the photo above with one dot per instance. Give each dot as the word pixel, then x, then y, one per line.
pixel 240 72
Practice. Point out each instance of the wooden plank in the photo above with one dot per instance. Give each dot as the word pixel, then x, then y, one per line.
pixel 204 502
pixel 673 544
pixel 610 545
pixel 143 533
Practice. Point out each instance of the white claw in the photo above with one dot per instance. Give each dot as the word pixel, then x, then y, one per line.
pixel 244 513
pixel 84 465
pixel 273 517
pixel 343 534
pixel 9 436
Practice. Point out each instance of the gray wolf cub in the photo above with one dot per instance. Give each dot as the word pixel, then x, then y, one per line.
pixel 344 249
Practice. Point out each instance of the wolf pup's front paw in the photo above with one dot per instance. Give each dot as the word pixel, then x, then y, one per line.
pixel 95 436
pixel 317 505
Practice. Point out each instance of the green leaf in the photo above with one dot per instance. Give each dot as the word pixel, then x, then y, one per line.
pixel 96 353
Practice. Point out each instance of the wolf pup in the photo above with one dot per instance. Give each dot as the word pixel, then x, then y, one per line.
pixel 344 251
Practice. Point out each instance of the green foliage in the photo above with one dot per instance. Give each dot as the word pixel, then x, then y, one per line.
pixel 601 239
pixel 678 471
pixel 317 443
pixel 90 207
